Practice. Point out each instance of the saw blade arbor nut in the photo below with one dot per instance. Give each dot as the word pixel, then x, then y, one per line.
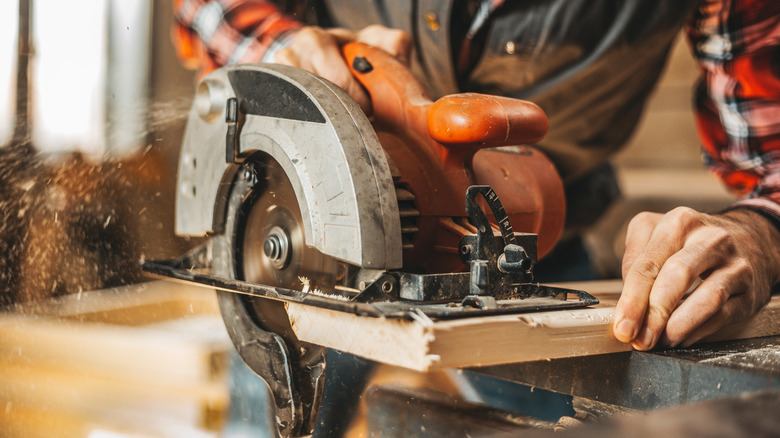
pixel 277 247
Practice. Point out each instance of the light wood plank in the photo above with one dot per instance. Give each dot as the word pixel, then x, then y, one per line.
pixel 106 397
pixel 139 354
pixel 136 305
pixel 18 421
pixel 143 360
pixel 425 345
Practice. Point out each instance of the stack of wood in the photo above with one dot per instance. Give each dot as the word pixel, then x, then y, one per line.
pixel 144 360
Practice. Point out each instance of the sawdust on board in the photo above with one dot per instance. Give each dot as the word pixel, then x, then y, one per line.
pixel 315 291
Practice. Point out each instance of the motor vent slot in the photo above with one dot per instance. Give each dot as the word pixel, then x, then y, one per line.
pixel 409 213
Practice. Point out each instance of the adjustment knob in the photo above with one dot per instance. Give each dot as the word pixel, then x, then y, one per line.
pixel 514 260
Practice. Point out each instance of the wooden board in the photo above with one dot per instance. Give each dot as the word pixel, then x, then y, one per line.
pixel 425 345
pixel 135 305
pixel 144 360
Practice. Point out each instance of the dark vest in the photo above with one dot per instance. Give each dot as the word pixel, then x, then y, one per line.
pixel 590 64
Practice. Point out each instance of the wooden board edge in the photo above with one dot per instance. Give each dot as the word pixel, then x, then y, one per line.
pixel 390 341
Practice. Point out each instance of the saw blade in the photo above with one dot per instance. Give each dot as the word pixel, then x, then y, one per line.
pixel 274 250
pixel 264 244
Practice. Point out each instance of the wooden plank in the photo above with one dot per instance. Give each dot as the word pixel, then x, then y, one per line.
pixel 139 354
pixel 18 421
pixel 138 304
pixel 425 345
pixel 143 360
pixel 110 400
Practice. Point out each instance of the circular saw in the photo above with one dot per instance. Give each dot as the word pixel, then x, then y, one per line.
pixel 433 207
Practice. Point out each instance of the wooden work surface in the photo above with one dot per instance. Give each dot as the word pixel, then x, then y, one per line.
pixel 425 345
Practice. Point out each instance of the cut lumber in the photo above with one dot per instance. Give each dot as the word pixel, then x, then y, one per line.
pixel 154 354
pixel 137 305
pixel 142 360
pixel 424 345
pixel 111 398
pixel 18 421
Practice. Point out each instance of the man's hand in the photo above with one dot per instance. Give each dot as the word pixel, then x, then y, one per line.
pixel 319 51
pixel 735 254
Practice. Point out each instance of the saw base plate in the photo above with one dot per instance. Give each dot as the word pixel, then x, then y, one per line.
pixel 520 298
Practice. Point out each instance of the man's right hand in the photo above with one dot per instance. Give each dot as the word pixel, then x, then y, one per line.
pixel 318 50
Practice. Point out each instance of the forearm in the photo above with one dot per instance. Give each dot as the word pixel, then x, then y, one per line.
pixel 738 107
pixel 763 226
pixel 737 101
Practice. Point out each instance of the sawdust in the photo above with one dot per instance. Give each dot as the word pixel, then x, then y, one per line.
pixel 158 117
pixel 63 226
pixel 70 223
pixel 307 288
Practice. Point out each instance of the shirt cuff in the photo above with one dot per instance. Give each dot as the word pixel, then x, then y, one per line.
pixel 763 206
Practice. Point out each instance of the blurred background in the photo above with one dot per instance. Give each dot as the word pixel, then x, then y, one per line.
pixel 92 113
pixel 91 118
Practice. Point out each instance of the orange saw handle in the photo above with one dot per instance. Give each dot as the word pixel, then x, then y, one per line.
pixel 436 151
pixel 471 118
pixel 467 119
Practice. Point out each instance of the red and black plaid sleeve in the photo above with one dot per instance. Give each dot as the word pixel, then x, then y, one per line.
pixel 211 33
pixel 737 44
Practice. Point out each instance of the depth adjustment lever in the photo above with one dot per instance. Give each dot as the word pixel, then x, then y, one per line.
pixel 492 269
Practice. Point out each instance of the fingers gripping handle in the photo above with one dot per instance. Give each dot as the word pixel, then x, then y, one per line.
pixel 397 98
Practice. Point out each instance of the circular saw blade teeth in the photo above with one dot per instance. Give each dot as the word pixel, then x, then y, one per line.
pixel 273 250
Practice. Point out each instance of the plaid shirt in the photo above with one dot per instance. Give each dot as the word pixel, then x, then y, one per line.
pixel 737 44
pixel 209 34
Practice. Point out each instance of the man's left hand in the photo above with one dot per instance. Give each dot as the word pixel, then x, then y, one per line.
pixel 735 254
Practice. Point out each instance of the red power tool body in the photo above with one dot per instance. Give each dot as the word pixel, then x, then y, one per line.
pixel 438 149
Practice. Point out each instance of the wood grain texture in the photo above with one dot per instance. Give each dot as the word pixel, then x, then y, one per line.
pixel 425 345
pixel 136 305
pixel 131 361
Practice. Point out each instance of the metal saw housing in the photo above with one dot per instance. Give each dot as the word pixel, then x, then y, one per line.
pixel 321 138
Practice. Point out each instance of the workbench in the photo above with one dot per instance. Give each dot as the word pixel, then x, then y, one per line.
pixel 737 370
pixel 723 389
pixel 657 379
pixel 568 352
